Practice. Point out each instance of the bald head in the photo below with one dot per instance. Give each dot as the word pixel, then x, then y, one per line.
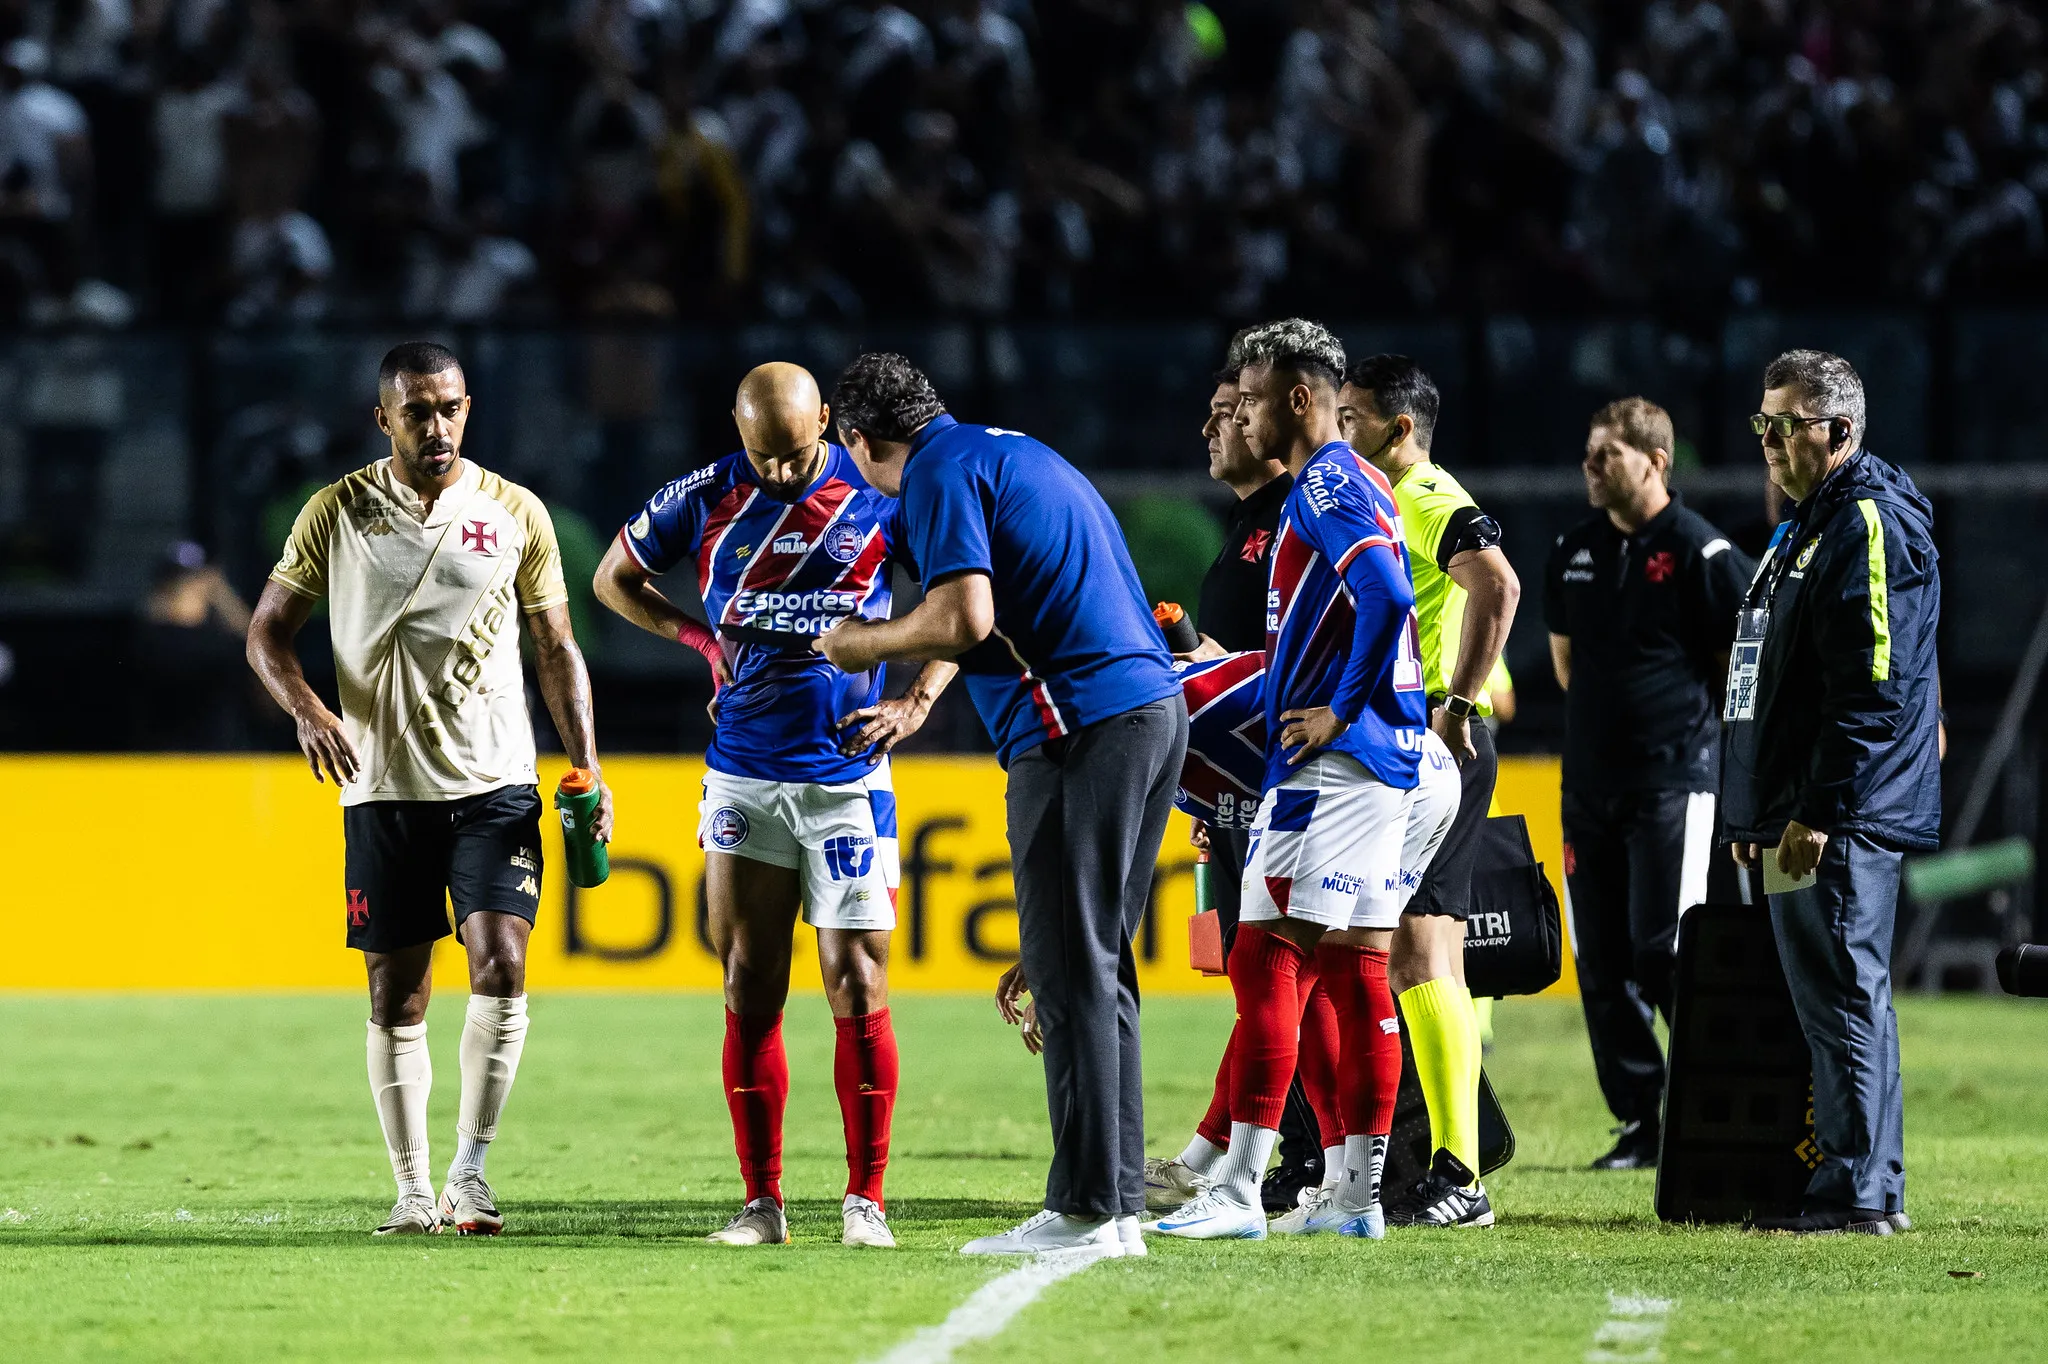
pixel 782 420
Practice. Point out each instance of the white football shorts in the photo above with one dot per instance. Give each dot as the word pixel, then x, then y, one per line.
pixel 1325 846
pixel 842 838
pixel 1431 811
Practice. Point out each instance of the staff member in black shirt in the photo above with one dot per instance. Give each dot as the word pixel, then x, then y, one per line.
pixel 1641 602
pixel 1232 611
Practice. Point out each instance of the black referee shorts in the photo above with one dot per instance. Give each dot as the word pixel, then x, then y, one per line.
pixel 1446 887
pixel 407 859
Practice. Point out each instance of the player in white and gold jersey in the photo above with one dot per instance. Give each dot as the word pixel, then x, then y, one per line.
pixel 428 563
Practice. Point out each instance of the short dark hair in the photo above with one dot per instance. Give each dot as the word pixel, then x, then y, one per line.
pixel 415 357
pixel 1227 375
pixel 1399 388
pixel 1295 343
pixel 884 397
pixel 1827 381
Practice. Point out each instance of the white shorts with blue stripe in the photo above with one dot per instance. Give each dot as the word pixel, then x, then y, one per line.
pixel 841 837
pixel 1326 848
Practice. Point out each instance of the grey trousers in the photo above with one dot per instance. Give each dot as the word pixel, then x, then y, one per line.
pixel 1086 816
pixel 1835 940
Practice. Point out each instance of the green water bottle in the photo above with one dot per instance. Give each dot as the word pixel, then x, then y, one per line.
pixel 1205 893
pixel 589 860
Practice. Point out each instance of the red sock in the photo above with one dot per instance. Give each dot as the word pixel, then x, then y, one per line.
pixel 1383 1034
pixel 1265 970
pixel 864 1073
pixel 1214 1127
pixel 756 1089
pixel 1370 1075
pixel 1318 1063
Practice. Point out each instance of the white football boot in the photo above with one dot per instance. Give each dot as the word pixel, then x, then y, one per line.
pixel 864 1224
pixel 1215 1216
pixel 1315 1211
pixel 468 1207
pixel 413 1215
pixel 1170 1183
pixel 760 1223
pixel 1050 1232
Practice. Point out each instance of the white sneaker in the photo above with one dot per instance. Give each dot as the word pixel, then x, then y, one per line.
pixel 1369 1224
pixel 1215 1216
pixel 1048 1232
pixel 864 1223
pixel 413 1215
pixel 468 1207
pixel 1128 1232
pixel 1171 1183
pixel 1316 1210
pixel 760 1223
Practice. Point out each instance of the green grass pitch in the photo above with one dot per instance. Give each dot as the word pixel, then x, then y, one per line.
pixel 194 1178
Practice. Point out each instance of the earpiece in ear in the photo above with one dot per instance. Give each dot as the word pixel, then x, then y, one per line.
pixel 1838 433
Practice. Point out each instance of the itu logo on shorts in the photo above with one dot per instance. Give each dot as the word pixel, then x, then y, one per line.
pixel 728 827
pixel 842 541
pixel 849 857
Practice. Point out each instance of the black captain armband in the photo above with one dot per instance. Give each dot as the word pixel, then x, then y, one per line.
pixel 1467 528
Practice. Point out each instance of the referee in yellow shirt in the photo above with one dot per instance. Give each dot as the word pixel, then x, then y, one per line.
pixel 1465 596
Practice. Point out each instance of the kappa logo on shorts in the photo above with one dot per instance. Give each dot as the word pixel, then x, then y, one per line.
pixel 358 909
pixel 728 827
pixel 529 886
pixel 843 541
pixel 849 857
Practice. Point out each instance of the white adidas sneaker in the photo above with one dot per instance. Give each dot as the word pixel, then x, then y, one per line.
pixel 1050 1232
pixel 760 1223
pixel 468 1208
pixel 1315 1211
pixel 1170 1183
pixel 413 1215
pixel 1215 1216
pixel 865 1224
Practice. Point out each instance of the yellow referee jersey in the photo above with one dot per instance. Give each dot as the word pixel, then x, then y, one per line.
pixel 1440 520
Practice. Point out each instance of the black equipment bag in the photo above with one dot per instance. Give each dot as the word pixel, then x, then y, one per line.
pixel 1738 1095
pixel 1408 1144
pixel 1514 936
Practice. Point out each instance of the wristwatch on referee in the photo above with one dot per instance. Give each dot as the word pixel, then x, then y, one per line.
pixel 1458 707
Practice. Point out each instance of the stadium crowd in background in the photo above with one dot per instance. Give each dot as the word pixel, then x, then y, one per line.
pixel 256 162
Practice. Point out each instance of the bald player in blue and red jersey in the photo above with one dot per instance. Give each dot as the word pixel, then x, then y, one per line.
pixel 1345 718
pixel 787 536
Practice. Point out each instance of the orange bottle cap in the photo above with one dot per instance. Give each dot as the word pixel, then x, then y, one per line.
pixel 1167 612
pixel 578 781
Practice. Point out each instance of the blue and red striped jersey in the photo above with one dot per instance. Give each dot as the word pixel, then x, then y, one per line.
pixel 797 567
pixel 1340 619
pixel 1226 762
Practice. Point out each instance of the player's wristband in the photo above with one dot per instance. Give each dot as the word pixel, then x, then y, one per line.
pixel 1458 707
pixel 700 638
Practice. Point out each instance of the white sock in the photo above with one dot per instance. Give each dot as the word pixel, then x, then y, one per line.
pixel 1201 1155
pixel 1364 1160
pixel 1238 1174
pixel 493 1034
pixel 1333 1166
pixel 401 1074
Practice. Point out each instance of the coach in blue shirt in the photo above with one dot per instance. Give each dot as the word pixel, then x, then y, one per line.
pixel 1028 584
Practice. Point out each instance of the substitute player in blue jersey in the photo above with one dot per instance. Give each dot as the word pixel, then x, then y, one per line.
pixel 1354 1104
pixel 1344 723
pixel 1028 582
pixel 786 539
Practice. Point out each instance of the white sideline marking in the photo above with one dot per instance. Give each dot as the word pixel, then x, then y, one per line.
pixel 989 1308
pixel 1635 1324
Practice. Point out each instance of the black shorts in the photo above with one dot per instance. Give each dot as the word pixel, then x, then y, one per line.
pixel 408 858
pixel 1446 887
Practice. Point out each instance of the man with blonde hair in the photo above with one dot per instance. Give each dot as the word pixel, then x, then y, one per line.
pixel 1640 599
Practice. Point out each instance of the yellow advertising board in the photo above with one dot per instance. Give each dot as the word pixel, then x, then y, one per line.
pixel 225 873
